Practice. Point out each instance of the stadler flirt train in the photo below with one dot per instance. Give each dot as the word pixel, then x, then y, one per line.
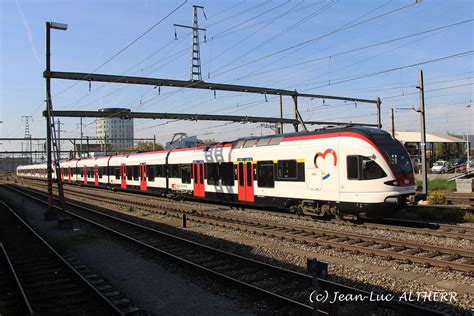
pixel 347 170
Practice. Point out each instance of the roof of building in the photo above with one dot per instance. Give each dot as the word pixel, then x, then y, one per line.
pixel 415 137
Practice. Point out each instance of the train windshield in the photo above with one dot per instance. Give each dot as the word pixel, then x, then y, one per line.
pixel 398 156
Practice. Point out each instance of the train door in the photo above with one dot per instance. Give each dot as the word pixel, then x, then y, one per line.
pixel 143 174
pixel 61 170
pixel 85 174
pixel 96 175
pixel 245 178
pixel 198 177
pixel 123 176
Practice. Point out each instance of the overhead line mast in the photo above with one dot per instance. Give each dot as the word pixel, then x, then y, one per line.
pixel 195 65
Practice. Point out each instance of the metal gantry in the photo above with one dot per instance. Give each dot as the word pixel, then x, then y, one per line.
pixel 196 117
pixel 158 82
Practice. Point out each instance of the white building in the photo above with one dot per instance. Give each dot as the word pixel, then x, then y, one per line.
pixel 115 131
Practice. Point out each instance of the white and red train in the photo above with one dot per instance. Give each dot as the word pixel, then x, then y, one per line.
pixel 335 171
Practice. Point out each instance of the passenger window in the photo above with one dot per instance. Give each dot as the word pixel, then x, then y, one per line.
pixel 136 172
pixel 212 173
pixel 226 173
pixel 201 180
pixel 249 174
pixel 129 173
pixel 160 173
pixel 287 169
pixel 241 174
pixel 117 173
pixel 265 171
pixel 151 172
pixel 175 171
pixel 186 173
pixel 250 143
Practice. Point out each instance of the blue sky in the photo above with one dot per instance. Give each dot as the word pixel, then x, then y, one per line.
pixel 243 41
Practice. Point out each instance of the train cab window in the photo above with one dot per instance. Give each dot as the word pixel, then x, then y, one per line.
pixel 226 173
pixel 266 177
pixel 186 173
pixel 287 169
pixel 117 173
pixel 136 172
pixel 212 173
pixel 353 167
pixel 363 168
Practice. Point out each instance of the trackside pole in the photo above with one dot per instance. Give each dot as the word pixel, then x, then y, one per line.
pixel 317 269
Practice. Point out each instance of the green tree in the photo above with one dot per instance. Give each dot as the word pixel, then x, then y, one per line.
pixel 146 146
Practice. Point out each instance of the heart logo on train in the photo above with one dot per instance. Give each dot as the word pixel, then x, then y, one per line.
pixel 325 161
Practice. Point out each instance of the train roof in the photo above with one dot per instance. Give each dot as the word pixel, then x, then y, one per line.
pixel 372 133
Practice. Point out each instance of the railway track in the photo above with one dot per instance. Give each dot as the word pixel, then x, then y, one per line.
pixel 447 258
pixel 12 298
pixel 39 279
pixel 288 288
pixel 390 224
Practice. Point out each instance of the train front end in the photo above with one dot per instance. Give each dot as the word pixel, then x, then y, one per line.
pixel 402 183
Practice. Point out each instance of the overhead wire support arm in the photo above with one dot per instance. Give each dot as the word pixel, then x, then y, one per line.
pixel 197 117
pixel 194 85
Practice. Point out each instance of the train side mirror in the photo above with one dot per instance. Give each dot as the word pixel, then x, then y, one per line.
pixel 366 163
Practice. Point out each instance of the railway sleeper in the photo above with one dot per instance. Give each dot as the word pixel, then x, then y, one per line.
pixel 432 254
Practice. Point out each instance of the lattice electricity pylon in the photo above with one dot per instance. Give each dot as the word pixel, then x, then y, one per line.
pixel 27 125
pixel 195 66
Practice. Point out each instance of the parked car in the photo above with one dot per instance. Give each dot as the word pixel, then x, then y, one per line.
pixel 453 162
pixel 440 166
pixel 462 167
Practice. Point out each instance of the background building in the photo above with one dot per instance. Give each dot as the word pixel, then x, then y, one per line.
pixel 115 131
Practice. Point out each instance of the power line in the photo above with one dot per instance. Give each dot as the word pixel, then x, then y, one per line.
pixel 126 47
pixel 317 38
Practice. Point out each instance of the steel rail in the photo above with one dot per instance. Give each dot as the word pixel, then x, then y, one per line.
pixel 17 280
pixel 411 309
pixel 399 225
pixel 104 299
pixel 347 241
pixel 423 254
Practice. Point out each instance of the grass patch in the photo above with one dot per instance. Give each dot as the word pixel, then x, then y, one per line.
pixel 469 217
pixel 438 185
